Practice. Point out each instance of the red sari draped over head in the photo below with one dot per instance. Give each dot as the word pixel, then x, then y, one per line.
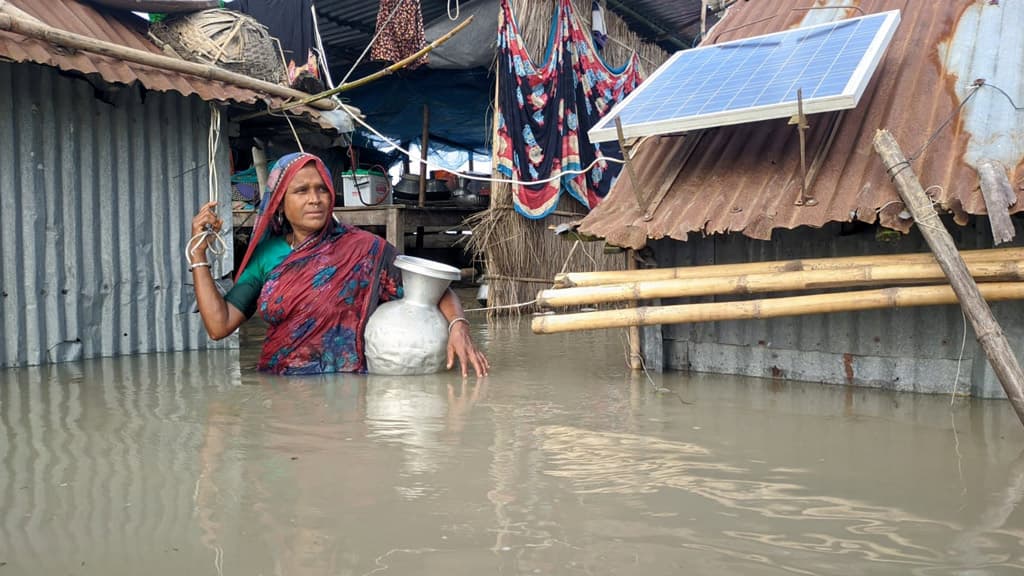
pixel 317 301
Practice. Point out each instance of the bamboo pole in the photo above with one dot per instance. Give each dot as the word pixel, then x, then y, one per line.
pixel 259 161
pixel 369 78
pixel 774 282
pixel 170 6
pixel 424 149
pixel 573 279
pixel 635 358
pixel 13 10
pixel 73 41
pixel 987 330
pixel 768 307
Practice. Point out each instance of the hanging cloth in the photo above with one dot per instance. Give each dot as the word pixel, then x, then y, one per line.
pixel 403 35
pixel 544 113
pixel 598 27
pixel 291 22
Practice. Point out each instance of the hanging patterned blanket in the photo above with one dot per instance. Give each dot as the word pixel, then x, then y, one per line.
pixel 545 112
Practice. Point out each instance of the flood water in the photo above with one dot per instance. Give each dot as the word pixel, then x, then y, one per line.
pixel 560 462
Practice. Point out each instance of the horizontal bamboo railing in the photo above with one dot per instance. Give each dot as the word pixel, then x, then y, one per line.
pixel 769 307
pixel 573 279
pixel 816 279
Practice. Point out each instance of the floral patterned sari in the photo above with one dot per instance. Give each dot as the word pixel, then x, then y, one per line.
pixel 317 301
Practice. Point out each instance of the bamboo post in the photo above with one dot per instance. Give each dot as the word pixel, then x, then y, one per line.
pixel 635 358
pixel 73 41
pixel 573 279
pixel 259 161
pixel 13 10
pixel 769 307
pixel 986 329
pixel 861 276
pixel 424 147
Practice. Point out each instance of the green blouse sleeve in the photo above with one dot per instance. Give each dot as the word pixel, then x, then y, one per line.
pixel 245 294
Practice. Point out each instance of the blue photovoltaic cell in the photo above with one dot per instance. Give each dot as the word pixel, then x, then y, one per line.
pixel 760 71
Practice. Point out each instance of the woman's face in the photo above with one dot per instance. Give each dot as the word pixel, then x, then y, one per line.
pixel 306 201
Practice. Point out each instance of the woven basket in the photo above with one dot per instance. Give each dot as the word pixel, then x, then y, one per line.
pixel 224 38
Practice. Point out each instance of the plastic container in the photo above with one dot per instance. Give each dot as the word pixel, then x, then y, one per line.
pixel 365 188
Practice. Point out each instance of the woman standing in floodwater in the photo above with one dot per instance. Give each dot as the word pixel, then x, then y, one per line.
pixel 315 281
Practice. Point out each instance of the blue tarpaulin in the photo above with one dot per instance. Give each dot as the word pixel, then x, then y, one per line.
pixel 459 102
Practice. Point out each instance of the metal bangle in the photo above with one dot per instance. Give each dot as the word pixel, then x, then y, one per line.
pixel 195 265
pixel 456 321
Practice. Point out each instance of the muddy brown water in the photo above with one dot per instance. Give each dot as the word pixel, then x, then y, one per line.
pixel 560 462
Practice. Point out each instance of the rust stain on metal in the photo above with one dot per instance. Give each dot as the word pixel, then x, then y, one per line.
pixel 744 178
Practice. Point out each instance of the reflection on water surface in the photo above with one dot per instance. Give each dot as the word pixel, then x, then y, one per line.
pixel 561 462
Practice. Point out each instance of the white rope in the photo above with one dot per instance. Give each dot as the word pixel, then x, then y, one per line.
pixel 370 44
pixel 430 165
pixel 456 16
pixel 217 244
pixel 959 360
pixel 212 141
pixel 502 307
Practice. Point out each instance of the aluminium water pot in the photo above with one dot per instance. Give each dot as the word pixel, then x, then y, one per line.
pixel 410 335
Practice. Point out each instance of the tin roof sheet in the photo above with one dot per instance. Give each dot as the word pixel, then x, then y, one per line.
pixel 746 178
pixel 121 28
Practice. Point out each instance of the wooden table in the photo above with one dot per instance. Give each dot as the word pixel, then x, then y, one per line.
pixel 396 219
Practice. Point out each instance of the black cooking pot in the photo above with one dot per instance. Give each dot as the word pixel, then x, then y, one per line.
pixel 408 189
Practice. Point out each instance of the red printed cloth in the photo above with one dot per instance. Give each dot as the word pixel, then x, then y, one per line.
pixel 403 35
pixel 546 111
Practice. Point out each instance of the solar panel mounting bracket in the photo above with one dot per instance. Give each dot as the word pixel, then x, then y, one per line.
pixel 641 202
pixel 800 120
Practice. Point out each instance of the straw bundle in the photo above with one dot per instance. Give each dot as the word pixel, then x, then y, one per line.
pixel 520 253
pixel 224 38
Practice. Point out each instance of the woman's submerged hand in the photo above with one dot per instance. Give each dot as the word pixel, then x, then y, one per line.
pixel 460 345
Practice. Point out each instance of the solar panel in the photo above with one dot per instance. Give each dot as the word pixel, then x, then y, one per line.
pixel 756 79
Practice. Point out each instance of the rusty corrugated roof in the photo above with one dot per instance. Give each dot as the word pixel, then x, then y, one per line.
pixel 746 178
pixel 120 28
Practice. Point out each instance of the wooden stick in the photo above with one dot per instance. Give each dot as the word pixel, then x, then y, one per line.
pixel 572 279
pixel 988 332
pixel 860 276
pixel 369 78
pixel 998 194
pixel 768 307
pixel 73 41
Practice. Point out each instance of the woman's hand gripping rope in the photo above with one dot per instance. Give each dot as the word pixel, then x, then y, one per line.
pixel 206 227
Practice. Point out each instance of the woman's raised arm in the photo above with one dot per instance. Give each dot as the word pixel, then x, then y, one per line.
pixel 219 317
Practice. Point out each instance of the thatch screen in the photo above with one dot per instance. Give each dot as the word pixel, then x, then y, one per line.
pixel 522 256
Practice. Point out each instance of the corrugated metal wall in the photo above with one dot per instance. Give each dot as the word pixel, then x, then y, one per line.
pixel 98 186
pixel 911 349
